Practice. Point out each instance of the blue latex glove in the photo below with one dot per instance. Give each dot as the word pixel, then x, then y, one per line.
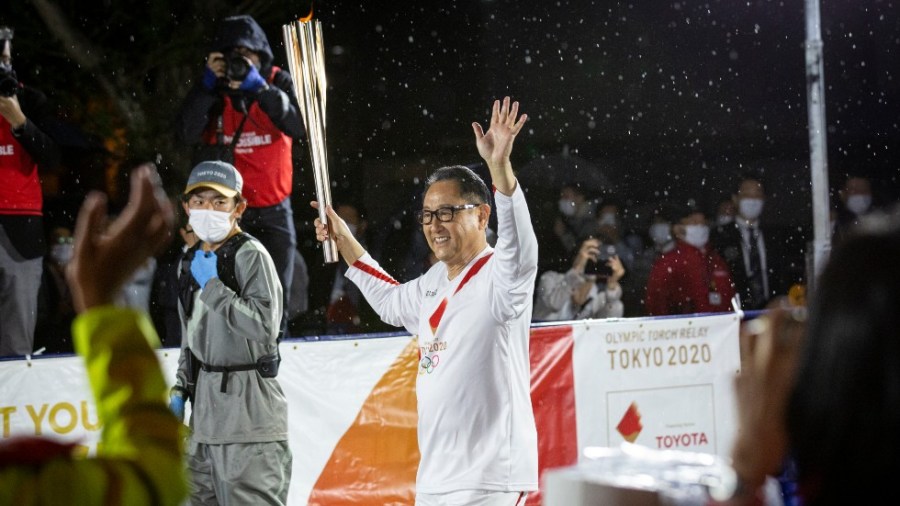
pixel 253 82
pixel 209 79
pixel 176 406
pixel 203 267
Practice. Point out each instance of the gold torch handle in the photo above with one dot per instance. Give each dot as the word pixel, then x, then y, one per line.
pixel 306 62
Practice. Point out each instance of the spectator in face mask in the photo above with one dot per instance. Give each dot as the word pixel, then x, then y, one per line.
pixel 230 307
pixel 609 229
pixel 855 202
pixel 661 235
pixel 744 243
pixel 55 308
pixel 661 240
pixel 575 220
pixel 725 212
pixel 692 277
pixel 135 292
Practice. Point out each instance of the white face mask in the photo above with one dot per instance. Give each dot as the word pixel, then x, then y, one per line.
pixel 750 208
pixel 696 235
pixel 661 233
pixel 859 204
pixel 211 226
pixel 724 219
pixel 567 207
pixel 61 253
pixel 608 219
pixel 352 228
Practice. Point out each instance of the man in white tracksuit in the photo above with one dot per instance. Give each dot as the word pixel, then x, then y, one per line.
pixel 471 312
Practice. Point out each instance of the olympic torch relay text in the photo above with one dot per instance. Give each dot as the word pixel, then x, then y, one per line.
pixel 651 335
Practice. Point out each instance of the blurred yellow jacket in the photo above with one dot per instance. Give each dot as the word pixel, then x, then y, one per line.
pixel 139 458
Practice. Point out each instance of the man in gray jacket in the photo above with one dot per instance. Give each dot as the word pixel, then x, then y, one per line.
pixel 230 308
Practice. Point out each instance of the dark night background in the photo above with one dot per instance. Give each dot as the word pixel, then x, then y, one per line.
pixel 665 100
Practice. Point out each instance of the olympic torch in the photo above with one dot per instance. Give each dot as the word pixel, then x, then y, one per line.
pixel 306 62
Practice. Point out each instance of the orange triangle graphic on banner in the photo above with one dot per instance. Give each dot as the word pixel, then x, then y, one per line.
pixel 375 461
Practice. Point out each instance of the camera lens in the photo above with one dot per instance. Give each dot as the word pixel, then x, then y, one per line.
pixel 8 83
pixel 236 67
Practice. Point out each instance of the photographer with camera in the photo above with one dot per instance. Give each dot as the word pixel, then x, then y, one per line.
pixel 24 148
pixel 244 111
pixel 590 289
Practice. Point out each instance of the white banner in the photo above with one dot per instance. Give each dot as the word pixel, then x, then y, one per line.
pixel 663 383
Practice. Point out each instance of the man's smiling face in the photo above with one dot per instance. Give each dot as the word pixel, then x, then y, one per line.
pixel 457 241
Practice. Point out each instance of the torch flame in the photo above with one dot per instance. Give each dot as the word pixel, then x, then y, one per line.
pixel 309 16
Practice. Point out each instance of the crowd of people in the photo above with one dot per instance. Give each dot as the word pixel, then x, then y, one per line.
pixel 682 257
pixel 600 259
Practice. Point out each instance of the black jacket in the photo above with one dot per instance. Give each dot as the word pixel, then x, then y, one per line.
pixel 42 148
pixel 785 261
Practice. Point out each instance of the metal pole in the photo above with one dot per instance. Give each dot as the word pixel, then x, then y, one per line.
pixel 818 152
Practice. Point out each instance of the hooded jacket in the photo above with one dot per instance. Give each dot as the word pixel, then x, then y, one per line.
pixel 245 32
pixel 262 153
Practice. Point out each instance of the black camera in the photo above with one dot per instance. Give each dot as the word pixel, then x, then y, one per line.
pixel 9 83
pixel 599 268
pixel 237 66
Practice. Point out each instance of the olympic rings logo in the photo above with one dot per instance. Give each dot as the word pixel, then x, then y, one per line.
pixel 429 363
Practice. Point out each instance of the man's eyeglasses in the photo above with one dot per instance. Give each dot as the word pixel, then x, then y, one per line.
pixel 443 214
